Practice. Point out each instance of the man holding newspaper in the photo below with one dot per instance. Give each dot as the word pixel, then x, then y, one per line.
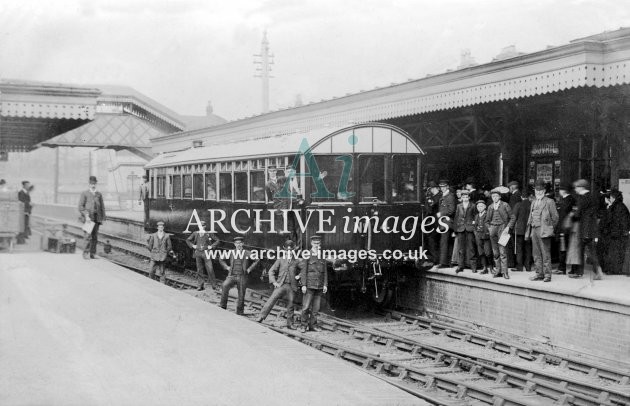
pixel 92 211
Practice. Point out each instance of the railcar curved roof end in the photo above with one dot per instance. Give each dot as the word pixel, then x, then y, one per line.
pixel 361 138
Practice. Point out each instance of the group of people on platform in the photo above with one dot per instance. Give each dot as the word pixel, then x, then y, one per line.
pixel 503 229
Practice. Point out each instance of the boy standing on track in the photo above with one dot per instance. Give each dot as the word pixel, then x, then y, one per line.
pixel 200 241
pixel 159 245
pixel 240 266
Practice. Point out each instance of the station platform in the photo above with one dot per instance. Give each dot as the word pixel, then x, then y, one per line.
pixel 584 315
pixel 88 332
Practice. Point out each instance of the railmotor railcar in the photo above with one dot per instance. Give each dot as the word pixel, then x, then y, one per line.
pixel 358 187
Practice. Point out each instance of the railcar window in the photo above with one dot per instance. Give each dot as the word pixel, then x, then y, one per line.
pixel 257 186
pixel 177 187
pixel 187 186
pixel 333 172
pixel 198 186
pixel 225 186
pixel 371 177
pixel 211 186
pixel 405 182
pixel 240 186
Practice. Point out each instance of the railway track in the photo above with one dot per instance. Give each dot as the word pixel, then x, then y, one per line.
pixel 390 348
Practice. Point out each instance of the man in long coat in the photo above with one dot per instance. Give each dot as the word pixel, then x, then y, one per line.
pixel 25 197
pixel 92 209
pixel 587 216
pixel 447 205
pixel 159 245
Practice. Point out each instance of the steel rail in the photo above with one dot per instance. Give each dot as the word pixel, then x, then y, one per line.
pixel 546 384
pixel 615 375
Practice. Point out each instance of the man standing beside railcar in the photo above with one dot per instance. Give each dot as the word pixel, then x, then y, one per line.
pixel 144 197
pixel 25 197
pixel 200 241
pixel 159 245
pixel 92 209
pixel 446 212
pixel 542 221
pixel 238 270
pixel 284 285
pixel 314 279
pixel 431 208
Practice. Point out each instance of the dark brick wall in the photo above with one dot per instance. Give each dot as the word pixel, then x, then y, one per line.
pixel 582 324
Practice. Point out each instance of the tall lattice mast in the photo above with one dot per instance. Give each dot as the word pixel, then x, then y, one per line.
pixel 264 68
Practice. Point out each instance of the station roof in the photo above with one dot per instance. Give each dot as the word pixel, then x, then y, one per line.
pixel 31 112
pixel 600 60
pixel 365 138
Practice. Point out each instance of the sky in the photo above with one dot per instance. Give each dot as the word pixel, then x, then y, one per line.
pixel 186 53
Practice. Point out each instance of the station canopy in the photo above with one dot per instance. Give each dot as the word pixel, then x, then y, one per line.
pixel 364 138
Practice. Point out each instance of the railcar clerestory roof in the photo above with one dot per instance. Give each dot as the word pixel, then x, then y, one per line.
pixel 363 138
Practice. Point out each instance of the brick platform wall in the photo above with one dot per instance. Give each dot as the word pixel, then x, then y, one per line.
pixel 582 324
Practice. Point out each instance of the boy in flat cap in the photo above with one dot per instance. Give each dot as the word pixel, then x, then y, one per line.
pixel 200 241
pixel 92 209
pixel 240 266
pixel 159 245
pixel 482 237
pixel 499 220
pixel 284 284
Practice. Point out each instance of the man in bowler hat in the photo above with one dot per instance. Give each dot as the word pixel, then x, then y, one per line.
pixel 587 216
pixel 91 208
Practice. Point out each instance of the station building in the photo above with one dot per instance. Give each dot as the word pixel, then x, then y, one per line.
pixel 558 114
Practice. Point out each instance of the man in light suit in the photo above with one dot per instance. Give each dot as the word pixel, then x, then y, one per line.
pixel 159 245
pixel 240 266
pixel 92 208
pixel 465 230
pixel 499 220
pixel 542 221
